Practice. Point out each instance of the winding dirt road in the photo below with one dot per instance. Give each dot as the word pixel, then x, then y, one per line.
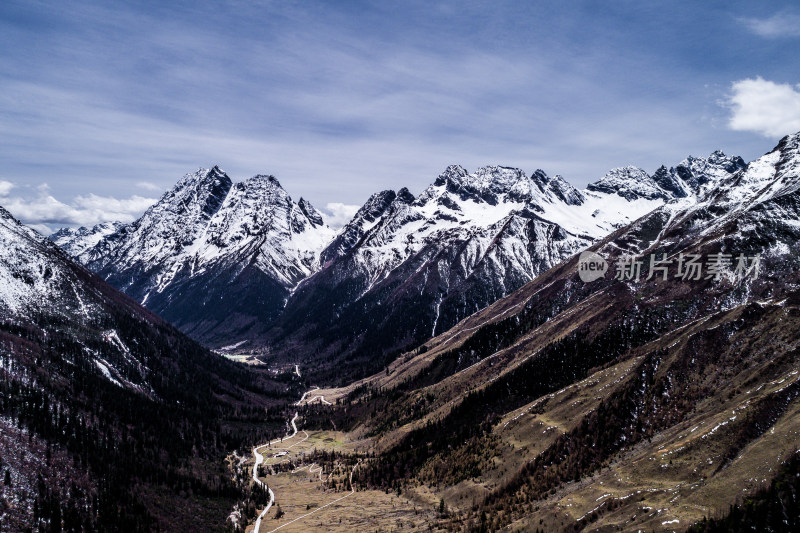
pixel 259 460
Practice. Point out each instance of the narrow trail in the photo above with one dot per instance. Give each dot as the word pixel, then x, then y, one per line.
pixel 303 397
pixel 313 399
pixel 313 468
pixel 260 460
pixel 321 400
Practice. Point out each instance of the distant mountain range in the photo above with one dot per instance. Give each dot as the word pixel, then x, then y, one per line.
pixel 244 265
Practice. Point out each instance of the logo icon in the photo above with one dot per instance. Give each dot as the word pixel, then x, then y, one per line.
pixel 591 266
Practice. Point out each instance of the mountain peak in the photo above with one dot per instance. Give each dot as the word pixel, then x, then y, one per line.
pixel 491 184
pixel 375 206
pixel 499 179
pixel 204 189
pixel 685 179
pixel 404 196
pixel 668 181
pixel 628 182
pixel 557 186
pixel 314 216
pixel 365 219
pixel 77 241
pixel 202 176
pixel 565 191
pixel 696 172
pixel 728 163
pixel 790 142
pixel 452 174
pixel 259 183
pixel 26 277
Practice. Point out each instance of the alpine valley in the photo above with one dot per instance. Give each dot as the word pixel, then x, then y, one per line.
pixel 454 371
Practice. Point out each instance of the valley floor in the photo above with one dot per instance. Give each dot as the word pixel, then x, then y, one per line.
pixel 666 483
pixel 314 497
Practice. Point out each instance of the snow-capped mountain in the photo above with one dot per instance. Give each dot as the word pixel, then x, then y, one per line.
pixel 684 180
pixel 38 281
pixel 77 241
pixel 693 380
pixel 27 277
pixel 406 268
pixel 753 211
pixel 245 263
pixel 212 256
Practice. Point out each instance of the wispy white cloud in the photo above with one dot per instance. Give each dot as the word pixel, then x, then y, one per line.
pixel 44 229
pixel 339 101
pixel 43 211
pixel 108 209
pixel 777 26
pixel 765 107
pixel 148 186
pixel 339 214
pixel 5 188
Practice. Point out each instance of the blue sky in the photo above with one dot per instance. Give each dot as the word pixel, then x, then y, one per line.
pixel 105 106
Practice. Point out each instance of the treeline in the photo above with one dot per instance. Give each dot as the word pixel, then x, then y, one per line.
pixel 374 352
pixel 774 509
pixel 632 414
pixel 489 339
pixel 384 409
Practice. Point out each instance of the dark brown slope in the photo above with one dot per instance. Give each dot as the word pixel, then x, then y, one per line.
pixel 112 420
pixel 565 402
